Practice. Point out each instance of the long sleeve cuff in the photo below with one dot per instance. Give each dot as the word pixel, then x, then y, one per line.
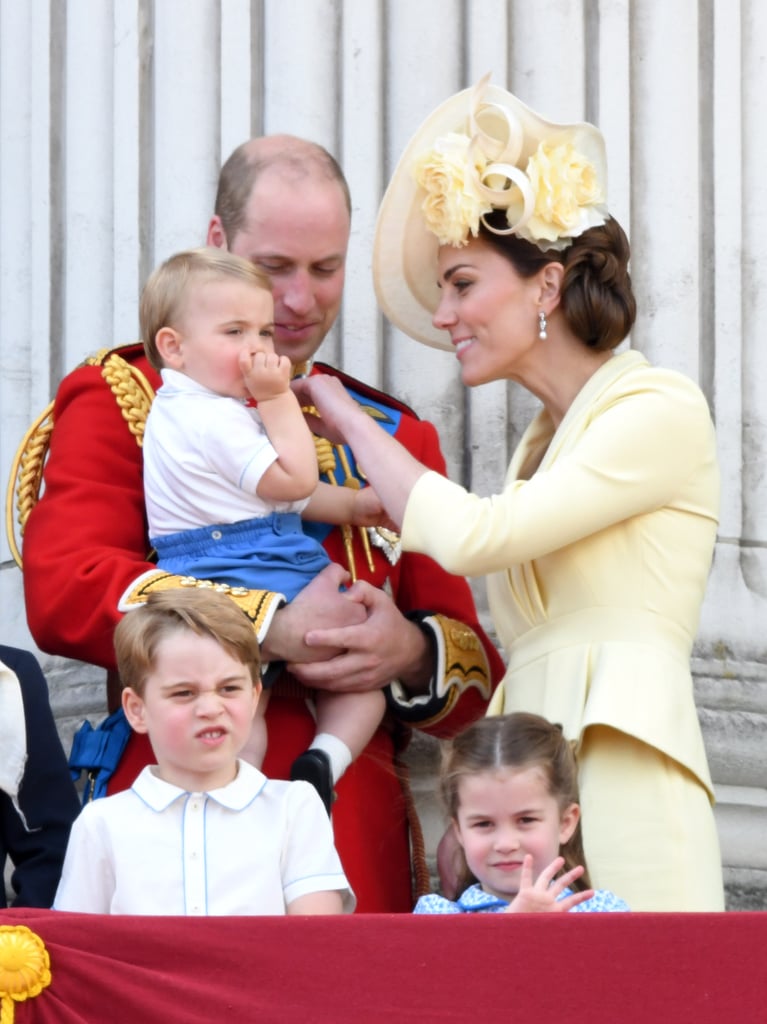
pixel 460 662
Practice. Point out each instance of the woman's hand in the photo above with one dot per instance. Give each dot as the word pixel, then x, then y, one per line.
pixel 333 403
pixel 540 896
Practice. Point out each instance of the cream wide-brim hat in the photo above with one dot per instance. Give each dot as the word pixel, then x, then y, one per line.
pixel 404 249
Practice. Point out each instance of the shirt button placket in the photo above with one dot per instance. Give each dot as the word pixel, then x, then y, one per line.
pixel 194 855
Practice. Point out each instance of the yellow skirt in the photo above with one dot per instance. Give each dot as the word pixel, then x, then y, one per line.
pixel 648 826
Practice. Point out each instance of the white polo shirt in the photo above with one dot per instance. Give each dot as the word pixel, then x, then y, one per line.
pixel 251 847
pixel 203 456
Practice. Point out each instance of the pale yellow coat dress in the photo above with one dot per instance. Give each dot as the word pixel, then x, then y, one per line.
pixel 597 554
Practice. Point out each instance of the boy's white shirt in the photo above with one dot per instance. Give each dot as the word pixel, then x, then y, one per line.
pixel 204 455
pixel 251 847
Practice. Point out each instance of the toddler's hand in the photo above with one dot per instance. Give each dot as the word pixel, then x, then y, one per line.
pixel 368 510
pixel 266 374
pixel 540 896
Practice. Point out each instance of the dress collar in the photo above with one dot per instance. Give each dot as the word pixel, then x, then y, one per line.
pixel 475 898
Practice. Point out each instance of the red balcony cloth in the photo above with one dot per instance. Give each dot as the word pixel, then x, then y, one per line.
pixel 366 969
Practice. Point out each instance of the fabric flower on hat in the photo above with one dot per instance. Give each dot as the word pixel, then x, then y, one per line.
pixel 550 197
pixel 568 196
pixel 452 206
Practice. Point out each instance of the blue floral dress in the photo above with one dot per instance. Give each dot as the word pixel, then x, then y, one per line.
pixel 475 900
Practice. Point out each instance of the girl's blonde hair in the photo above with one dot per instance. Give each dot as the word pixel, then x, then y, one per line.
pixel 518 741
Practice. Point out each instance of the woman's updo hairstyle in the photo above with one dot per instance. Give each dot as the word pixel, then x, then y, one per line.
pixel 597 300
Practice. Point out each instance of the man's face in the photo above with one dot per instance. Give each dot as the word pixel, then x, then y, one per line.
pixel 297 231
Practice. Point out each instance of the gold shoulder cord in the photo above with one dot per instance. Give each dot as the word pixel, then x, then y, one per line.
pixel 134 395
pixel 328 457
pixel 26 478
pixel 133 392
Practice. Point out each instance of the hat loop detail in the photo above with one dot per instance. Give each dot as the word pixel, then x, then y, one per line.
pixel 493 147
pixel 505 197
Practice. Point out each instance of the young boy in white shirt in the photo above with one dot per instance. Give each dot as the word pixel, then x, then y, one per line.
pixel 201 832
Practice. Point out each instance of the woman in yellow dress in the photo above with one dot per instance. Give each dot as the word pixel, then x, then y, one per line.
pixel 494 239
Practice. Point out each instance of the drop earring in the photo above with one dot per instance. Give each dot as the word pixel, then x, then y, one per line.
pixel 542 325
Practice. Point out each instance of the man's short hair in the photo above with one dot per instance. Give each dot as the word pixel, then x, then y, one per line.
pixel 297 157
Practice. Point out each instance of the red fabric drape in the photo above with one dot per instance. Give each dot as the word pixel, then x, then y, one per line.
pixel 627 968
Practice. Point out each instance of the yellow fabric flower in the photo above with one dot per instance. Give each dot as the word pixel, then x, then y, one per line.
pixel 24 962
pixel 568 195
pixel 24 966
pixel 452 206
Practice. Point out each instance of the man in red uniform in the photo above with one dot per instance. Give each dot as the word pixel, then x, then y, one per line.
pixel 405 624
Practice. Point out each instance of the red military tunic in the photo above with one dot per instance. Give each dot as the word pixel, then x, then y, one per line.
pixel 85 544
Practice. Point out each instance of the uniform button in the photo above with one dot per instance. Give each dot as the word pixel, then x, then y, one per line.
pixel 216 535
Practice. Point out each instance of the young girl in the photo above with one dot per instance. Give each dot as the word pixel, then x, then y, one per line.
pixel 510 785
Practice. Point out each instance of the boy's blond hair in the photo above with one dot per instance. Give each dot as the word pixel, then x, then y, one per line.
pixel 204 612
pixel 167 289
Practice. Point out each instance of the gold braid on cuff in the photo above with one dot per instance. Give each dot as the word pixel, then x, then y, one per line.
pixel 462 657
pixel 460 662
pixel 258 605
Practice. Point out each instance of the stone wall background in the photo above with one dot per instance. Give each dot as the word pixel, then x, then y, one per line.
pixel 116 114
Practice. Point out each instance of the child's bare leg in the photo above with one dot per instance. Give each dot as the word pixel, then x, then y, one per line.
pixel 351 718
pixel 346 723
pixel 254 750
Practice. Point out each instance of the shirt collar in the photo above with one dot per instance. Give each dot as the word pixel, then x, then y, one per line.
pixel 475 898
pixel 173 382
pixel 236 795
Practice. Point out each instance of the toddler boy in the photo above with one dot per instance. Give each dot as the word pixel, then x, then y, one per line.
pixel 226 482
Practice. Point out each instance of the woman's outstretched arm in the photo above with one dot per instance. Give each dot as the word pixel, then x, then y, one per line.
pixel 389 467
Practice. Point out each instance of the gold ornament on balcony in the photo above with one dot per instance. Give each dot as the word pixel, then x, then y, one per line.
pixel 25 968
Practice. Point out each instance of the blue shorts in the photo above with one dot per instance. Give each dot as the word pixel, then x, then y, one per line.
pixel 272 553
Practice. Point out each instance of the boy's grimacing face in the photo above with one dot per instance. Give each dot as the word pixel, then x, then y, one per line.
pixel 197 709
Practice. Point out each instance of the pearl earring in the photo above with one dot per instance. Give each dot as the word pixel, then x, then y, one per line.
pixel 542 325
